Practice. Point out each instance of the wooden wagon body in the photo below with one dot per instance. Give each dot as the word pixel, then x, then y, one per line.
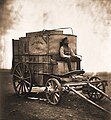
pixel 41 50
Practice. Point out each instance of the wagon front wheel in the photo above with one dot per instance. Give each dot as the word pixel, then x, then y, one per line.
pixel 53 91
pixel 94 94
pixel 22 79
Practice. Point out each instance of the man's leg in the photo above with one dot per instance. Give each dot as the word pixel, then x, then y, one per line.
pixel 78 64
pixel 78 61
pixel 68 61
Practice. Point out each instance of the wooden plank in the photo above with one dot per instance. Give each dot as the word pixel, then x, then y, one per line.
pixel 23 45
pixel 37 45
pixel 15 49
pixel 49 32
pixel 54 43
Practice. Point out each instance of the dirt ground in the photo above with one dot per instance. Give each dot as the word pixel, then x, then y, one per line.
pixel 71 106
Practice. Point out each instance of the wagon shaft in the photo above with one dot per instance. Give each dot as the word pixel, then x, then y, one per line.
pixel 79 94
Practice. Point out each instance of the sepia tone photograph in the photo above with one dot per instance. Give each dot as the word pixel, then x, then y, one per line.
pixel 55 60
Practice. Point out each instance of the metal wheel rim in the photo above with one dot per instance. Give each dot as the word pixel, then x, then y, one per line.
pixel 22 79
pixel 53 91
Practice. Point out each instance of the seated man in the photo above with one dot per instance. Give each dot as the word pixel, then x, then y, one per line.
pixel 67 54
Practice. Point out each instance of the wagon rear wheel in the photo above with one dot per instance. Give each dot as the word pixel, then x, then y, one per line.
pixel 22 79
pixel 53 91
pixel 94 94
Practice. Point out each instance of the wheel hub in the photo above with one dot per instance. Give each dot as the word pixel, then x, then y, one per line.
pixel 21 77
pixel 51 89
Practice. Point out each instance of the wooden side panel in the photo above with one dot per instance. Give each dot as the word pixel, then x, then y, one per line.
pixel 15 49
pixel 54 43
pixel 62 67
pixel 37 45
pixel 23 45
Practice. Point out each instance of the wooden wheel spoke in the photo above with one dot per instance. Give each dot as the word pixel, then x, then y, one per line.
pixel 16 76
pixel 53 100
pixel 57 90
pixel 50 96
pixel 27 78
pixel 27 82
pixel 19 90
pixel 97 95
pixel 99 85
pixel 52 83
pixel 56 97
pixel 18 72
pixel 22 69
pixel 22 89
pixel 18 85
pixel 26 86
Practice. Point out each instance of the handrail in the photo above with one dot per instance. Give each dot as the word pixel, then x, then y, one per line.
pixel 62 28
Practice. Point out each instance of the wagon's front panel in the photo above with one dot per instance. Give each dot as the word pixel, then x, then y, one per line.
pixel 54 44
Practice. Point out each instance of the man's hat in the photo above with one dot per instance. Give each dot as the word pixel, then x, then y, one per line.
pixel 64 39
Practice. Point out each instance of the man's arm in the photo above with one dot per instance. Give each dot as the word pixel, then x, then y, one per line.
pixel 72 52
pixel 62 53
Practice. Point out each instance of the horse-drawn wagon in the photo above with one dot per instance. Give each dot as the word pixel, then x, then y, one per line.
pixel 35 65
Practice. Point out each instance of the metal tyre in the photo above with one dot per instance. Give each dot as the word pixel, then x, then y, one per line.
pixel 94 94
pixel 22 81
pixel 53 91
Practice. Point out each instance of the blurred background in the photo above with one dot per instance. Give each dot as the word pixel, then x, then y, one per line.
pixel 90 20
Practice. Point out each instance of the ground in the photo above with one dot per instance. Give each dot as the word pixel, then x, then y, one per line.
pixel 71 107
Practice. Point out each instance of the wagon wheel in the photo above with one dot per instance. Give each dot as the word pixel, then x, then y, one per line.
pixel 53 91
pixel 94 94
pixel 22 79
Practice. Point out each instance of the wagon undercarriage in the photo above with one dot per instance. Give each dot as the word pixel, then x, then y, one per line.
pixel 92 89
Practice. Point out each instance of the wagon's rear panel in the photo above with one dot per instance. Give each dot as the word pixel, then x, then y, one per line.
pixel 16 58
